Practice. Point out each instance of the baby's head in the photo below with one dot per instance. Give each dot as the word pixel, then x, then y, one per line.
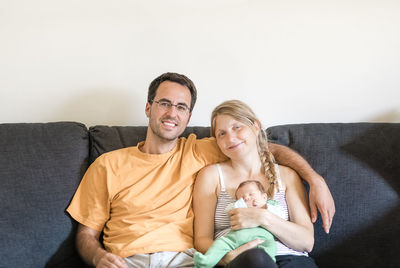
pixel 253 193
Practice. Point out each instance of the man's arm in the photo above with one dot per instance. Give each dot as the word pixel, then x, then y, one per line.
pixel 92 252
pixel 320 197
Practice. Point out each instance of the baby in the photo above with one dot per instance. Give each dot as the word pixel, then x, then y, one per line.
pixel 249 194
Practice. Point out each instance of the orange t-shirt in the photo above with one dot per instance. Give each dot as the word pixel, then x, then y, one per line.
pixel 143 202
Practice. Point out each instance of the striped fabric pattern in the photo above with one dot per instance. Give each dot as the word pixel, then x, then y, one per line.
pixel 221 218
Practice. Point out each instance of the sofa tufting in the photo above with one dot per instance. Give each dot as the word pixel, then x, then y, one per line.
pixel 41 165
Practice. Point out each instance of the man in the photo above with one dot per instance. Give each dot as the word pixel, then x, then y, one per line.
pixel 140 197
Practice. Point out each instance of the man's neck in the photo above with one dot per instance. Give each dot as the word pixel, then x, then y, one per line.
pixel 157 145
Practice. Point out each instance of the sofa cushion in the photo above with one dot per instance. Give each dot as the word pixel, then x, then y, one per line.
pixel 41 166
pixel 361 164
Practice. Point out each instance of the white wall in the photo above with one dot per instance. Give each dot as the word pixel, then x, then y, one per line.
pixel 292 61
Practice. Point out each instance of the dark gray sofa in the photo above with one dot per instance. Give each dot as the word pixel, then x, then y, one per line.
pixel 41 166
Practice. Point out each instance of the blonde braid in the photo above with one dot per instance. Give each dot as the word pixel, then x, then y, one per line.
pixel 268 162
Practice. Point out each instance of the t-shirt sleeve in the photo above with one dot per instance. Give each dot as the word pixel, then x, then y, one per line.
pixel 208 150
pixel 90 205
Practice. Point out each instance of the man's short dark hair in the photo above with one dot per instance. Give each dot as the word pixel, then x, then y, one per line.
pixel 173 77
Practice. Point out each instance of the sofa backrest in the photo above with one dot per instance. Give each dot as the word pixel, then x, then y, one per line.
pixel 41 166
pixel 361 164
pixel 105 138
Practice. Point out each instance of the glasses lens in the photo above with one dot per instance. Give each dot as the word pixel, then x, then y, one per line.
pixel 166 105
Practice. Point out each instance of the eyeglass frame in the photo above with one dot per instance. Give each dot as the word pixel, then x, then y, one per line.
pixel 168 105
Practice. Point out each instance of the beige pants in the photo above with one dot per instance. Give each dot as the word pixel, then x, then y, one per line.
pixel 164 259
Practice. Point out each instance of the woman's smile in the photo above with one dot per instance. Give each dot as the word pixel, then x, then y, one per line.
pixel 235 146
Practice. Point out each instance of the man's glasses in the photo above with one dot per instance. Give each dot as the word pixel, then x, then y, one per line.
pixel 166 105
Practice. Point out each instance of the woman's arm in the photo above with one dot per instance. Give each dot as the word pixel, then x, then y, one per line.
pixel 320 197
pixel 297 233
pixel 204 204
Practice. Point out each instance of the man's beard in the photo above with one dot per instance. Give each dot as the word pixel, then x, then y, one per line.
pixel 156 129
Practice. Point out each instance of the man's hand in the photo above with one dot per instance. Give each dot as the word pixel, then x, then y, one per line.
pixel 106 259
pixel 320 196
pixel 92 252
pixel 321 199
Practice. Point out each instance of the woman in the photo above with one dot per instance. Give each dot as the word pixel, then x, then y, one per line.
pixel 240 137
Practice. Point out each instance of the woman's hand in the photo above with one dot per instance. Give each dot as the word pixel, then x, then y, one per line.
pixel 247 217
pixel 234 253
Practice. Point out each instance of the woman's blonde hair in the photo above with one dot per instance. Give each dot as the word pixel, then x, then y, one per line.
pixel 244 114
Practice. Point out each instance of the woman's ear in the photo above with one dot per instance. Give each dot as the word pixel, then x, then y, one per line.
pixel 257 126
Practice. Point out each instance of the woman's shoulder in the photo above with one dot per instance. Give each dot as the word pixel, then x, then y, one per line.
pixel 210 169
pixel 208 174
pixel 213 168
pixel 287 174
pixel 207 180
pixel 285 170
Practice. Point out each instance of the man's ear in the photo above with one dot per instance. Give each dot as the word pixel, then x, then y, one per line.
pixel 147 109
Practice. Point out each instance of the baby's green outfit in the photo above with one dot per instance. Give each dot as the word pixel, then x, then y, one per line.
pixel 234 239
